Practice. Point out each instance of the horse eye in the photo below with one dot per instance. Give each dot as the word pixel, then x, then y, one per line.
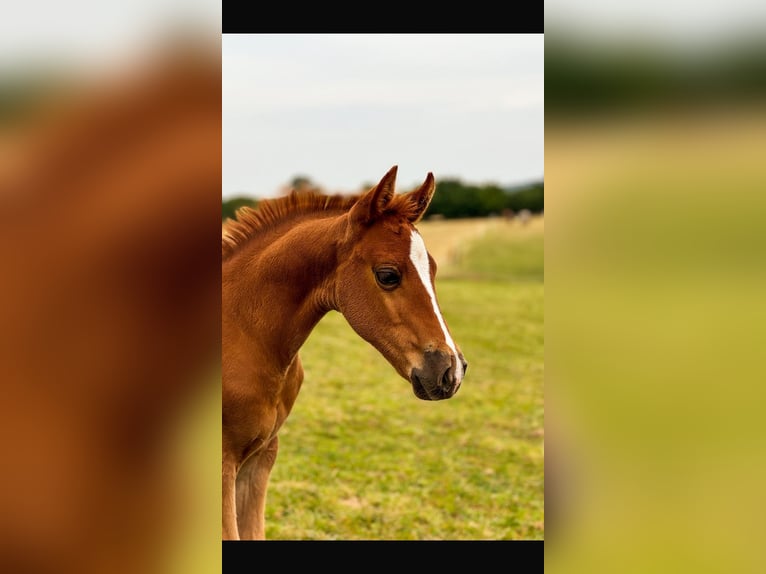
pixel 387 278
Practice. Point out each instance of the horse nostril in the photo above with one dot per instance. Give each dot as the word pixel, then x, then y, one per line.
pixel 447 378
pixel 465 365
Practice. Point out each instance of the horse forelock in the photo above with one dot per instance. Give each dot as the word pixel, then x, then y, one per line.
pixel 402 206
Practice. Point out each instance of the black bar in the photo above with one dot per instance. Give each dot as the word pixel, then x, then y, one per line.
pixel 247 556
pixel 265 18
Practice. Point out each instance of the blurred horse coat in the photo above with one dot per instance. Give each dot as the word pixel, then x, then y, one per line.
pixel 110 307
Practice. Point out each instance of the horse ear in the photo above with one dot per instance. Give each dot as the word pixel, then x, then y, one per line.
pixel 371 205
pixel 421 198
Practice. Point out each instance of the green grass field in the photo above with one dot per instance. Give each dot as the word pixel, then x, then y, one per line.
pixel 362 458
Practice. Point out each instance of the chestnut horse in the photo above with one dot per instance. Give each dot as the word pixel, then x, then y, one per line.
pixel 285 265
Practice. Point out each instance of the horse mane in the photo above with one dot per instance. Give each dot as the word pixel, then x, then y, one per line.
pixel 250 221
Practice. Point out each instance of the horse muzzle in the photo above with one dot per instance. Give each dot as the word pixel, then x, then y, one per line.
pixel 439 377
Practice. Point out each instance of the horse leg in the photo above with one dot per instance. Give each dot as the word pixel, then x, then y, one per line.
pixel 229 500
pixel 252 482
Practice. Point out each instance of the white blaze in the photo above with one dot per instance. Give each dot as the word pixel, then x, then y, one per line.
pixel 419 258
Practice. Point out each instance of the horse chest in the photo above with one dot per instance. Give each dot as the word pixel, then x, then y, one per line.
pixel 267 406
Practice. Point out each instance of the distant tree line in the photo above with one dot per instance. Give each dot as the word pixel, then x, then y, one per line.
pixel 588 76
pixel 453 199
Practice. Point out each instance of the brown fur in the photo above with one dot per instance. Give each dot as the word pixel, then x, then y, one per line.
pixel 285 265
pixel 277 211
pixel 110 311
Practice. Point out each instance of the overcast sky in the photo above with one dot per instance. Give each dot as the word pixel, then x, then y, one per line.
pixel 683 23
pixel 94 32
pixel 342 109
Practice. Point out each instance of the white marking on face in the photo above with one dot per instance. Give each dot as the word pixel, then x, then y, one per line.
pixel 419 258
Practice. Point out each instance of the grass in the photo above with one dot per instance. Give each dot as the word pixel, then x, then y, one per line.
pixel 362 458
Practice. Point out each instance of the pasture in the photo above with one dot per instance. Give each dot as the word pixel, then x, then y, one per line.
pixel 361 458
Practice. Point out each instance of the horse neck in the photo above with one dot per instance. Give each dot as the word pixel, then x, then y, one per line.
pixel 281 285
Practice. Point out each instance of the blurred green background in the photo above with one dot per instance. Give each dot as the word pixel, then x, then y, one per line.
pixel 654 256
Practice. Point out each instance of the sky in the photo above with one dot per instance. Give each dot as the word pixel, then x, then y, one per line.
pixel 341 110
pixel 94 33
pixel 683 23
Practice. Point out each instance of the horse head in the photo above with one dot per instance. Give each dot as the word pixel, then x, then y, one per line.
pixel 384 287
